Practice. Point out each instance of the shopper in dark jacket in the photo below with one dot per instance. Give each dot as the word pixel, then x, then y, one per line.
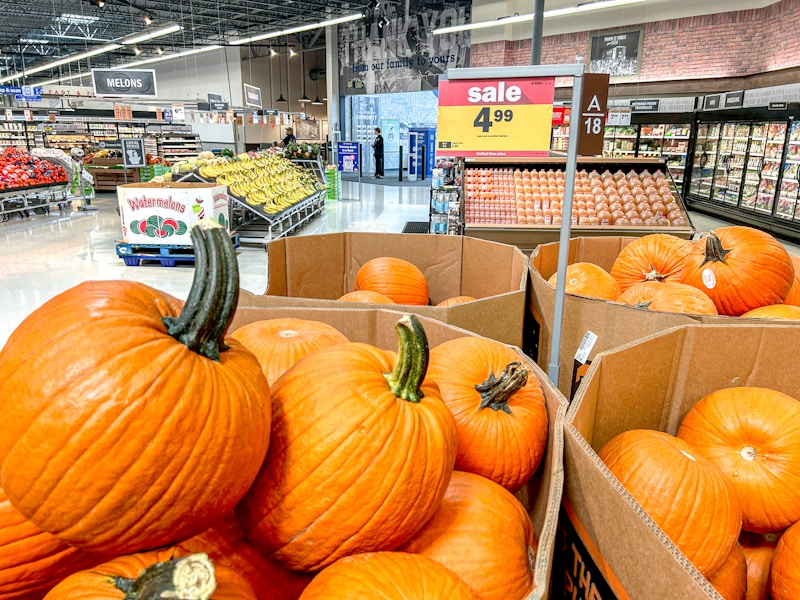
pixel 377 147
pixel 289 138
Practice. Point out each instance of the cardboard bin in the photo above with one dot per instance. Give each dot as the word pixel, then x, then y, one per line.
pixel 315 270
pixel 542 495
pixel 162 213
pixel 608 546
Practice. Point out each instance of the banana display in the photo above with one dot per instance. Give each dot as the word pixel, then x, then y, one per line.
pixel 262 179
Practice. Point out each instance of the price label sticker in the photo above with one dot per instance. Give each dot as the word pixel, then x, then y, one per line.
pixel 495 117
pixel 585 348
pixel 709 279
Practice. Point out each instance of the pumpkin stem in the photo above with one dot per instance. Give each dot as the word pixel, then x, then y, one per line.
pixel 714 250
pixel 208 311
pixel 412 360
pixel 643 304
pixel 188 578
pixel 654 275
pixel 497 391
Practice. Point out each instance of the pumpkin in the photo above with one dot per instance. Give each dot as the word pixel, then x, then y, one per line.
pixel 389 576
pixel 730 580
pixel 482 533
pixel 366 296
pixel 758 549
pixel 753 435
pixel 656 257
pixel 794 293
pixel 394 277
pixel 784 574
pixel 361 454
pixel 155 424
pixel 227 546
pixel 455 300
pixel 164 573
pixel 774 311
pixel 668 297
pixel 588 279
pixel 686 495
pixel 279 343
pixel 740 269
pixel 499 409
pixel 32 561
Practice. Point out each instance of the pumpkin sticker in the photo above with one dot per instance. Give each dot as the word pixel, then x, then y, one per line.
pixel 159 227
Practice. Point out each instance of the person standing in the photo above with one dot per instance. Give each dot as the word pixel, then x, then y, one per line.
pixel 289 138
pixel 377 147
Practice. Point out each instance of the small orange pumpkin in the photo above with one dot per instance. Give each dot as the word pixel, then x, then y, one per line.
pixel 396 278
pixel 388 576
pixel 774 311
pixel 753 435
pixel 455 300
pixel 794 293
pixel 366 296
pixel 784 572
pixel 758 550
pixel 656 257
pixel 279 343
pixel 498 407
pixel 685 494
pixel 730 580
pixel 588 279
pixel 668 297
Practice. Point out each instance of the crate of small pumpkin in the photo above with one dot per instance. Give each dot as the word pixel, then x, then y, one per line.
pixel 625 288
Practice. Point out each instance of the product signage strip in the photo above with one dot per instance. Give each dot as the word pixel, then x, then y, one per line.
pixel 125 82
pixel 778 105
pixel 734 99
pixel 649 105
pixel 495 117
pixel 25 90
pixel 252 96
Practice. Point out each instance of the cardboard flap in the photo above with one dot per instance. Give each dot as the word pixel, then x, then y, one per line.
pixel 277 282
pixel 479 272
pixel 313 266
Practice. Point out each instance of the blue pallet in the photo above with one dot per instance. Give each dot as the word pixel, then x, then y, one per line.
pixel 168 255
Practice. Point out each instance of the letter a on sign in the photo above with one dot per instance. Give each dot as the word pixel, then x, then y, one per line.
pixel 594 105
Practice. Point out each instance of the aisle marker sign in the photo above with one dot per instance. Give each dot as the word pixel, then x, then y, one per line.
pixel 495 117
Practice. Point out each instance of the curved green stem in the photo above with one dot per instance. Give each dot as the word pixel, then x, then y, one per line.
pixel 497 391
pixel 714 250
pixel 412 360
pixel 643 304
pixel 209 309
pixel 191 577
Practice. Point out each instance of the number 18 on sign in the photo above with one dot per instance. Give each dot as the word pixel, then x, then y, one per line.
pixel 495 117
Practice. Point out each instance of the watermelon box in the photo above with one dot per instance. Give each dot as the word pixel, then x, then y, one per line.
pixel 161 213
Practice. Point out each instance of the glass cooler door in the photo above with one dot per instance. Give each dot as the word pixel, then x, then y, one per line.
pixel 705 159
pixel 788 197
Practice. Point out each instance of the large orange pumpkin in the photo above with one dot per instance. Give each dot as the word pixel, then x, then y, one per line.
pixel 396 278
pixel 227 546
pixel 668 297
pixel 388 576
pixel 656 257
pixel 498 406
pixel 32 561
pixel 362 451
pixel 686 495
pixel 740 268
pixel 279 343
pixel 482 533
pixel 366 296
pixel 730 580
pixel 758 549
pixel 153 424
pixel 167 573
pixel 753 435
pixel 794 293
pixel 784 572
pixel 774 311
pixel 455 300
pixel 588 279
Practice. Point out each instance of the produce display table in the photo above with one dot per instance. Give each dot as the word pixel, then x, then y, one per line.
pixel 106 179
pixel 36 198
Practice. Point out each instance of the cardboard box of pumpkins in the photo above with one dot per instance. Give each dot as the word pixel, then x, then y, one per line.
pixel 682 465
pixel 615 288
pixel 192 451
pixel 318 270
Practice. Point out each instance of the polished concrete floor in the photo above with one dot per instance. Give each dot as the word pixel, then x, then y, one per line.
pixel 43 255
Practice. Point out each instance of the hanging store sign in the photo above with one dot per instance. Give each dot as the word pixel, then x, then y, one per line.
pixel 252 96
pixel 594 106
pixel 734 99
pixel 124 82
pixel 712 102
pixel 178 113
pixel 648 105
pixel 133 153
pixel 778 106
pixel 495 117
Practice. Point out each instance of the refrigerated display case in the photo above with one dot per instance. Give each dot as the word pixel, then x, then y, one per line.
pixel 742 170
pixel 620 141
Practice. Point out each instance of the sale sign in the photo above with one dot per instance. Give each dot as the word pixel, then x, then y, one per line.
pixel 495 117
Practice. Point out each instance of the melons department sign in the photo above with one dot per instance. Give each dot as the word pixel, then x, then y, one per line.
pixel 124 82
pixel 403 55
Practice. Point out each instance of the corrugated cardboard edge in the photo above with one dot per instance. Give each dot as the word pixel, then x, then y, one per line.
pixel 546 504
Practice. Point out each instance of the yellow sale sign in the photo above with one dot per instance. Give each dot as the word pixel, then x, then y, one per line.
pixel 495 117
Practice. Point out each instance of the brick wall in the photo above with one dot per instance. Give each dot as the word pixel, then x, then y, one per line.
pixel 733 44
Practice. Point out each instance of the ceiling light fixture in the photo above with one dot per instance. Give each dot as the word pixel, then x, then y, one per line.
pixel 383 22
pixel 159 50
pixel 298 29
pixel 62 61
pixel 146 18
pixel 373 4
pixel 292 52
pixel 558 12
pixel 304 98
pixel 149 35
pixel 100 3
pixel 272 52
pixel 136 50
